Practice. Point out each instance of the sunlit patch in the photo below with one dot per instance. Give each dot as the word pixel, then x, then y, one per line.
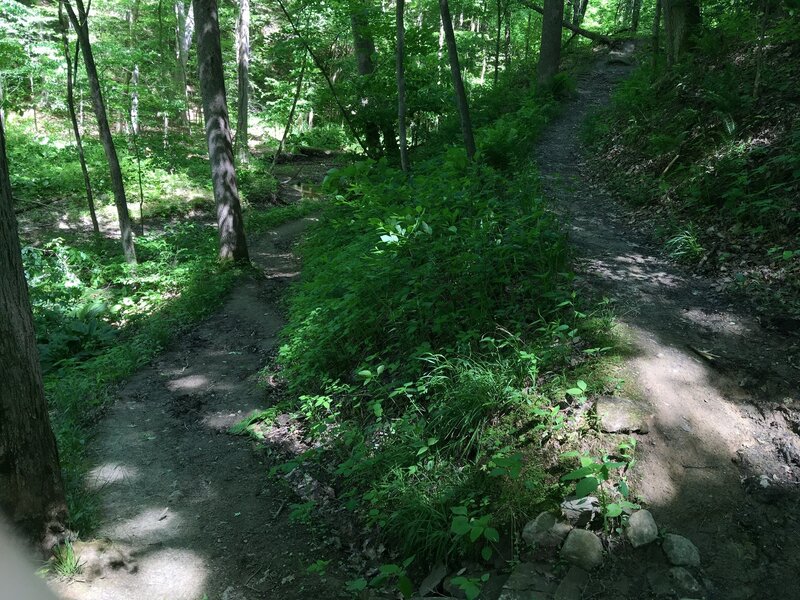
pixel 190 383
pixel 150 526
pixel 105 474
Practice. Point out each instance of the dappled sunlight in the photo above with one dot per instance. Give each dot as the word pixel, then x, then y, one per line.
pixel 111 472
pixel 189 383
pixel 150 526
pixel 634 266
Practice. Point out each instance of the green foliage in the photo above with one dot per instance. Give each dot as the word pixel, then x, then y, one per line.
pixel 65 562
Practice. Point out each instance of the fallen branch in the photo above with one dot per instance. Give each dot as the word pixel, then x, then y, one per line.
pixel 591 35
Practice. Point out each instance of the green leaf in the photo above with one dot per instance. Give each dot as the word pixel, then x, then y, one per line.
pixel 405 586
pixel 623 488
pixel 586 487
pixel 486 553
pixel 579 473
pixel 356 585
pixel 475 533
pixel 460 526
pixel 459 510
pixel 491 534
pixel 613 510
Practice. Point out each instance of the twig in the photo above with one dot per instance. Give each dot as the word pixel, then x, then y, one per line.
pixel 280 509
pixel 669 166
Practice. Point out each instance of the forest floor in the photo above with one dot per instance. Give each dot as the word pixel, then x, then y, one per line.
pixel 721 462
pixel 186 506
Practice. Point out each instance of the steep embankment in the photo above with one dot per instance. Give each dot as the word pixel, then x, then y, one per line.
pixel 721 463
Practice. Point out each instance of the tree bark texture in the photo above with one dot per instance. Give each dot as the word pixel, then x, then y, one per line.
pixel 31 489
pixel 550 49
pixel 243 80
pixel 81 26
pixel 232 243
pixel 401 85
pixel 656 30
pixel 681 20
pixel 72 70
pixel 184 32
pixel 364 48
pixel 458 82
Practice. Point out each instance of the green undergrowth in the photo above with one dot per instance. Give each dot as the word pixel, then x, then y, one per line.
pixel 435 339
pixel 99 319
pixel 716 157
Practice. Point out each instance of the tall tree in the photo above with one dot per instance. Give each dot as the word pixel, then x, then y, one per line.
pixel 31 489
pixel 364 48
pixel 232 243
pixel 184 32
pixel 681 21
pixel 243 80
pixel 72 71
pixel 550 48
pixel 401 84
pixel 458 82
pixel 80 24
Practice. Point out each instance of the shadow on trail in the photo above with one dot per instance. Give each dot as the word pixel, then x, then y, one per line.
pixel 721 463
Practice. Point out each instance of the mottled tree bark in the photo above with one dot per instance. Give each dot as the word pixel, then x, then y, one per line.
pixel 31 489
pixel 72 70
pixel 243 80
pixel 681 20
pixel 364 48
pixel 184 31
pixel 81 26
pixel 401 85
pixel 458 82
pixel 550 48
pixel 232 243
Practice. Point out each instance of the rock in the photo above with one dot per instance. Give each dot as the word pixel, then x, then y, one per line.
pixel 581 511
pixel 680 551
pixel 642 528
pixel 660 582
pixel 545 535
pixel 433 580
pixel 529 580
pixel 620 415
pixel 573 584
pixel 583 548
pixel 685 583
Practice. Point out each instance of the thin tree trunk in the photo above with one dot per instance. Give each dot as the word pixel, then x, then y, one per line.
pixel 72 71
pixel 528 38
pixel 458 83
pixel 497 41
pixel 31 489
pixel 636 10
pixel 184 32
pixel 550 49
pixel 589 35
pixel 401 86
pixel 243 79
pixel 135 138
pixel 656 31
pixel 81 26
pixel 364 47
pixel 507 40
pixel 232 243
pixel 289 121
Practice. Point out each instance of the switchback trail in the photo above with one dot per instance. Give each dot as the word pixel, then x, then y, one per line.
pixel 189 509
pixel 721 463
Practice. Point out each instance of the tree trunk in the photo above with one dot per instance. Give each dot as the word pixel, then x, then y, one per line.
pixel 497 41
pixel 72 70
pixel 184 32
pixel 289 121
pixel 401 86
pixel 458 83
pixel 31 489
pixel 364 47
pixel 636 11
pixel 681 20
pixel 81 26
pixel 589 35
pixel 656 31
pixel 243 79
pixel 232 243
pixel 550 49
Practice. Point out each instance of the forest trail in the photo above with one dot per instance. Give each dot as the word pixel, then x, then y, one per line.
pixel 721 463
pixel 191 505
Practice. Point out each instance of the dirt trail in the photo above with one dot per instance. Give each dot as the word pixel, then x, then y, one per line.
pixel 192 505
pixel 721 463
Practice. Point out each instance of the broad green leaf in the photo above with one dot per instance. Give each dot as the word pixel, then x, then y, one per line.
pixel 460 525
pixel 586 487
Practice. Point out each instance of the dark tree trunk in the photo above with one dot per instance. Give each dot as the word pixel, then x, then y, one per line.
pixel 364 47
pixel 458 83
pixel 636 11
pixel 656 31
pixel 550 49
pixel 232 243
pixel 72 70
pixel 401 86
pixel 81 26
pixel 31 489
pixel 681 21
pixel 243 88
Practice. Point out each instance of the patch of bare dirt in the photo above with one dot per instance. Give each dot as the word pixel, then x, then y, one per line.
pixel 190 506
pixel 720 463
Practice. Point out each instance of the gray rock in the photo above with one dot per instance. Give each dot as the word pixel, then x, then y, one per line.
pixel 685 583
pixel 581 511
pixel 642 528
pixel 545 535
pixel 432 581
pixel 573 584
pixel 680 551
pixel 583 548
pixel 620 415
pixel 660 582
pixel 529 580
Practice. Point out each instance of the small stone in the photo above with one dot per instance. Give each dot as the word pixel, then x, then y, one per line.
pixel 573 584
pixel 581 511
pixel 680 551
pixel 583 548
pixel 545 535
pixel 620 415
pixel 642 528
pixel 528 580
pixel 685 582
